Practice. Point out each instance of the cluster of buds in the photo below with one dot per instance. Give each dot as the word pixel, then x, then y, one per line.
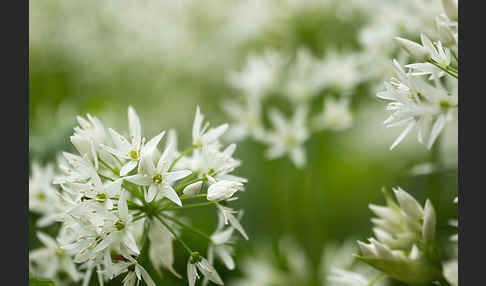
pixel 404 247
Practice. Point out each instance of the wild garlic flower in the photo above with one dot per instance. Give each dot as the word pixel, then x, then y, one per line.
pixel 337 267
pixel 297 79
pixel 305 77
pixel 260 75
pixel 195 263
pixel 415 102
pixel 336 115
pixel 132 151
pixel 121 196
pixel 246 117
pixel 42 193
pixel 51 260
pixel 405 246
pixel 288 136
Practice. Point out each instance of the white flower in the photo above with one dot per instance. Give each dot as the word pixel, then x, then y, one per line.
pixel 223 190
pixel 304 79
pixel 437 53
pixel 50 260
pixel 228 217
pixel 158 179
pixel 216 165
pixel 196 263
pixel 340 71
pixel 88 136
pixel 288 136
pixel 415 102
pixel 133 277
pixel 135 148
pixel 335 116
pixel 246 117
pixel 201 135
pixel 416 51
pixel 42 193
pixel 260 75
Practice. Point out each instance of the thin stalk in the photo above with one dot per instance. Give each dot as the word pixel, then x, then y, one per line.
pixel 185 152
pixel 184 197
pixel 193 229
pixel 455 56
pixel 448 71
pixel 105 177
pixel 188 206
pixel 116 172
pixel 186 247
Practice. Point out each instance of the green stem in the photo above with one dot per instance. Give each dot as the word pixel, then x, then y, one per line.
pixel 193 229
pixel 184 197
pixel 185 152
pixel 188 249
pixel 455 56
pixel 116 172
pixel 187 206
pixel 105 177
pixel 449 70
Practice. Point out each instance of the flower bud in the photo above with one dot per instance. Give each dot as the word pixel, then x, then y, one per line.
pixel 415 50
pixel 368 250
pixel 428 229
pixel 383 251
pixel 450 8
pixel 193 189
pixel 223 190
pixel 408 204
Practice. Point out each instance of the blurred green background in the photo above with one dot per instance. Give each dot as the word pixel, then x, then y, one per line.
pixel 79 64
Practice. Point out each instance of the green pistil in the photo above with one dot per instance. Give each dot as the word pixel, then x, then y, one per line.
pixel 157 179
pixel 41 196
pixel 444 105
pixel 195 257
pixel 101 197
pixel 134 155
pixel 120 224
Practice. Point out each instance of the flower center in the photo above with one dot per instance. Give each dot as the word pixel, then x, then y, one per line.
pixel 134 154
pixel 157 178
pixel 101 197
pixel 120 224
pixel 195 257
pixel 60 252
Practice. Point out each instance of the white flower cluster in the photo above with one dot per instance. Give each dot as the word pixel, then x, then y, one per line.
pixel 120 202
pixel 417 102
pixel 336 268
pixel 298 82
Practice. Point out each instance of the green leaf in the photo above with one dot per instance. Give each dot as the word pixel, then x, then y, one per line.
pixel 36 281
